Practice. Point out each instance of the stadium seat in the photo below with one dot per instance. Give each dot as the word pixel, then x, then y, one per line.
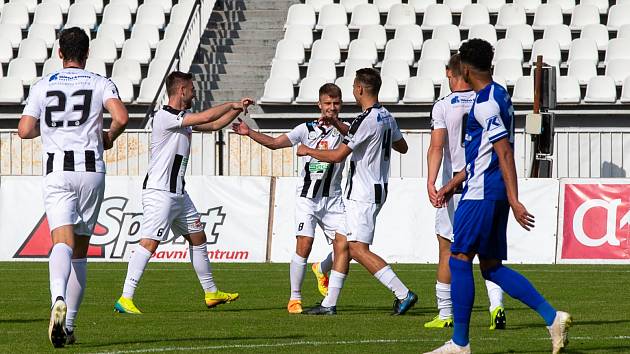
pixel 362 49
pixel 432 69
pixel 300 33
pixel 325 49
pixel 420 6
pixel 625 91
pixel 112 31
pixel 618 48
pixel 117 13
pixel 318 4
pixel 565 5
pixel 508 69
pixel 96 66
pixel 48 13
pixel 64 5
pixel 508 48
pixel 583 49
pixel 597 32
pixel 352 65
pixel 385 5
pixel 290 49
pixel 146 32
pixel 445 89
pixel 158 67
pixel 412 33
pixel 602 5
pixel 583 15
pixel 364 15
pixel 34 49
pixel 6 51
pixel 547 15
pixel 23 69
pixel 523 90
pixel 474 14
pixel 501 81
pixel 97 4
pixel 618 16
pixel 277 90
pixel 322 68
pixel 15 13
pixel 419 90
pixel 582 70
pixel 435 49
pixel 11 90
pixel 138 50
pixel 180 14
pixel 337 33
pixel 568 90
pixel 299 14
pixel 332 14
pixel 166 5
pixel 457 6
pixel 51 65
pixel 622 32
pixel 601 89
pixel 436 15
pixel 81 15
pixel 148 89
pixel 44 32
pixel 396 68
pixel 400 15
pixel 309 90
pixel 492 5
pixel 375 33
pixel 619 70
pixel 349 5
pixel 560 33
pixel 125 88
pixel 389 90
pixel 151 15
pixel 448 33
pixel 523 33
pixel 104 49
pixel 510 15
pixel 12 32
pixel 128 68
pixel 30 4
pixel 166 48
pixel 279 68
pixel 549 49
pixel 485 32
pixel 529 6
pixel 345 83
pixel 400 49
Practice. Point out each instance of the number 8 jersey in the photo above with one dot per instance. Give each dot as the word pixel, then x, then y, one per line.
pixel 69 105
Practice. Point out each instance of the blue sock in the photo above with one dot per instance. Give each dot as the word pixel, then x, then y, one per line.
pixel 518 287
pixel 463 297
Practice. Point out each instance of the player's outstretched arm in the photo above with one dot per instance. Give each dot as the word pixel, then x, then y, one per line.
pixel 334 156
pixel 120 118
pixel 28 128
pixel 400 146
pixel 216 118
pixel 282 141
pixel 508 171
pixel 434 159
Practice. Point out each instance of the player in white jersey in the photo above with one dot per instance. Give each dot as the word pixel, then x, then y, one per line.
pixel 370 140
pixel 319 196
pixel 165 203
pixel 446 147
pixel 66 109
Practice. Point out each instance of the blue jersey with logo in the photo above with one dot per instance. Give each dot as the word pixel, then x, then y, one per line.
pixel 491 119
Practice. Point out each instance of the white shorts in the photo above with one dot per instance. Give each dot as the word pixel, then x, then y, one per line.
pixel 73 198
pixel 444 218
pixel 327 212
pixel 361 220
pixel 163 211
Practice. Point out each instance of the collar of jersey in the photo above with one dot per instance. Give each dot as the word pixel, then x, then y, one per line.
pixel 172 110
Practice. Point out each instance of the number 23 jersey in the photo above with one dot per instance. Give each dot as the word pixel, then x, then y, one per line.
pixel 69 105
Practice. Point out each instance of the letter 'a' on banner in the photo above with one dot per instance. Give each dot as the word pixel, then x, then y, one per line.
pixel 594 225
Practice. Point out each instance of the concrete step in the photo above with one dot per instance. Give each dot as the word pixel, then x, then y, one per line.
pixel 254 77
pixel 232 16
pixel 237 58
pixel 229 95
pixel 250 34
pixel 239 42
pixel 240 49
pixel 245 25
pixel 257 4
pixel 229 85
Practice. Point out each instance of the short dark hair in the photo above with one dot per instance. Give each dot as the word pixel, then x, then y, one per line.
pixel 477 53
pixel 330 90
pixel 74 44
pixel 455 65
pixel 175 79
pixel 370 79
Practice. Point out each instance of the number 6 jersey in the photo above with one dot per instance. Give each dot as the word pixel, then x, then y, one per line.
pixel 69 106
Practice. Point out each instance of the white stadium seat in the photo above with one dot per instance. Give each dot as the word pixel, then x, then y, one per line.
pixel 445 88
pixel 583 49
pixel 492 5
pixel 332 14
pixel 318 4
pixel 51 65
pixel 412 33
pixel 44 32
pixel 565 5
pixel 560 33
pixel 104 49
pixel 322 68
pixel 375 33
pixel 158 67
pixel 602 5
pixel 432 69
pixel 601 89
pixel 30 4
pixel 34 49
pixel 146 32
pixel 485 32
pixel 420 6
pixel 11 90
pixel 326 49
pixel 290 49
pixel 96 66
pixel 6 50
pixel 597 32
pixel 64 5
pixel 125 88
pixel 309 90
pixel 337 33
pixel 400 49
pixel 448 33
pixel 385 5
pixel 166 5
pixel 474 14
pixel 389 90
pixel 148 14
pixel 583 15
pixel 400 15
pixel 15 13
pixel 166 48
pixel 618 48
pixel 148 89
pixel 49 13
pixel 128 68
pixel 549 49
pixel 96 4
pixel 364 15
pixel 352 65
pixel 457 6
pixel 508 69
pixel 345 84
pixel 362 49
pixel 419 90
pixel 397 69
pixel 510 15
pixel 625 91
pixel 524 90
pixel 622 32
pixel 81 15
pixel 138 50
pixel 279 68
pixel 435 49
pixel 300 33
pixel 436 15
pixel 547 15
pixel 117 13
pixel 11 32
pixel 529 6
pixel 619 70
pixel 112 31
pixel 349 5
pixel 299 14
pixel 582 70
pixel 568 90
pixel 523 33
pixel 180 14
pixel 277 90
pixel 508 48
pixel 23 69
pixel 618 16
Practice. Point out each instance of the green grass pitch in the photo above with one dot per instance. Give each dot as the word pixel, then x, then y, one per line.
pixel 175 318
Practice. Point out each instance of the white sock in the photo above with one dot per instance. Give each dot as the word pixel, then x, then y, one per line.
pixel 495 294
pixel 325 266
pixel 335 284
pixel 388 278
pixel 137 263
pixel 443 296
pixel 59 265
pixel 74 290
pixel 296 274
pixel 201 264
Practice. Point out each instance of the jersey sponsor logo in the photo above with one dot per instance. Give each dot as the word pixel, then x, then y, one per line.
pixel 455 99
pixel 493 123
pixel 312 135
pixel 53 77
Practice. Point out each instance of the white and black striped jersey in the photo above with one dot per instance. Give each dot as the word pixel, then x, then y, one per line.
pixel 370 138
pixel 69 106
pixel 319 179
pixel 170 149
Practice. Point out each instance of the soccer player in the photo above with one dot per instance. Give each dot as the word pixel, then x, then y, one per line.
pixel 66 109
pixel 319 192
pixel 482 215
pixel 446 147
pixel 370 140
pixel 165 203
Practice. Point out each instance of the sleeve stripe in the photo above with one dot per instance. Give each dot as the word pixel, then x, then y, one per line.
pixel 498 136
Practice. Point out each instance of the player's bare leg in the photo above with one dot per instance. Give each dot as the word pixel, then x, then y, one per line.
pixel 199 258
pixel 59 265
pixel 297 269
pixel 76 284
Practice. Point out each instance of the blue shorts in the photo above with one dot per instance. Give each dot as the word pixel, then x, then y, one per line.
pixel 480 227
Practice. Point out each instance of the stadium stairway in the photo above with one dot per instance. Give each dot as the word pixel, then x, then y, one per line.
pixel 234 57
